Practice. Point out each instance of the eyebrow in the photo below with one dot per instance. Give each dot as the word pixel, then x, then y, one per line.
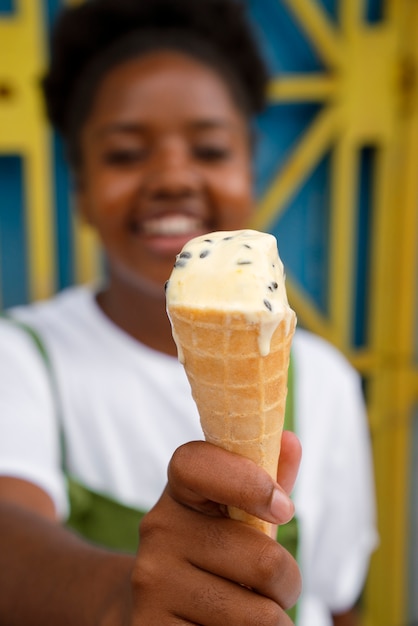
pixel 130 128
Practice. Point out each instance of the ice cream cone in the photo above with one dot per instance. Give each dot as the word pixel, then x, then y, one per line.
pixel 236 359
pixel 240 395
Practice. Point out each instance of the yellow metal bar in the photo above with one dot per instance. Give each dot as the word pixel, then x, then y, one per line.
pixel 312 146
pixel 39 213
pixel 395 390
pixel 293 88
pixel 351 14
pixel 415 386
pixel 407 190
pixel 386 595
pixel 344 181
pixel 22 56
pixel 394 11
pixel 408 200
pixel 308 313
pixel 365 361
pixel 384 269
pixel 392 330
pixel 390 416
pixel 318 27
pixel 41 268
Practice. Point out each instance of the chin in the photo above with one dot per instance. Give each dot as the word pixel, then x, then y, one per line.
pixel 137 281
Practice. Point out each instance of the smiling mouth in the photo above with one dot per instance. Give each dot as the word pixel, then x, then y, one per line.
pixel 171 226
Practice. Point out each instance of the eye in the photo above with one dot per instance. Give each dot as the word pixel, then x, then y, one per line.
pixel 124 156
pixel 211 153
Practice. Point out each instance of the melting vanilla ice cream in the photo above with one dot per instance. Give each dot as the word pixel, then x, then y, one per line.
pixel 236 272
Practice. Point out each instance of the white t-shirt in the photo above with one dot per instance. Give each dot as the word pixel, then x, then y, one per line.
pixel 125 408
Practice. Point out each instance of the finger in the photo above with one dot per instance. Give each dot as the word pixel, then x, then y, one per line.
pixel 289 461
pixel 239 553
pixel 203 476
pixel 217 602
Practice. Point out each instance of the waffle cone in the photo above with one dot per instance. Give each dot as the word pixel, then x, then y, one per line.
pixel 240 395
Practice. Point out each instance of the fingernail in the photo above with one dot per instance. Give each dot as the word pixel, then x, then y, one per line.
pixel 281 506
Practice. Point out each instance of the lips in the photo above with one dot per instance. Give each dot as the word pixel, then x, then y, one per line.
pixel 165 234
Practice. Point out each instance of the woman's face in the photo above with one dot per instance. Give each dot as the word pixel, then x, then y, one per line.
pixel 165 157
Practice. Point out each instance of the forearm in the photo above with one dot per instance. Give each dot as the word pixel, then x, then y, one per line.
pixel 190 554
pixel 49 576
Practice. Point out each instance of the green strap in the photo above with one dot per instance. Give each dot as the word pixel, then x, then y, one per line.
pixel 33 335
pixel 289 419
pixel 41 348
pixel 102 520
pixel 288 534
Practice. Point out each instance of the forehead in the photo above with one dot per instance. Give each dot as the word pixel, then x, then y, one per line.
pixel 161 83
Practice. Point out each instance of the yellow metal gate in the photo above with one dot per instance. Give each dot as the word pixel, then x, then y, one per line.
pixel 369 93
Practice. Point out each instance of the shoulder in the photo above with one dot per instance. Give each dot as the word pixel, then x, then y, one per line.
pixel 13 335
pixel 327 386
pixel 59 322
pixel 62 304
pixel 20 357
pixel 60 317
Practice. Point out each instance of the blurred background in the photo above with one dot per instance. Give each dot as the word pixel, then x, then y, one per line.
pixel 337 183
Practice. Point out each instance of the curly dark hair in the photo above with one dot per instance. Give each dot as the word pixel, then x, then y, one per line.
pixel 84 33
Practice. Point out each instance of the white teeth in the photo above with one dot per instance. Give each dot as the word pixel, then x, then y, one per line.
pixel 171 225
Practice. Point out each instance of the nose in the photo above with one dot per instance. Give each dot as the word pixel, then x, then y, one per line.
pixel 171 173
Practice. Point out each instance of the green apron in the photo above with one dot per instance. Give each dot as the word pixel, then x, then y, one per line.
pixel 108 523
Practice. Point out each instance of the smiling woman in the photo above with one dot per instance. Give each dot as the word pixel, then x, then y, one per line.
pixel 154 100
pixel 151 176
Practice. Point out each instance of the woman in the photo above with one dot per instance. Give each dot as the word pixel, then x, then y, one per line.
pixel 155 100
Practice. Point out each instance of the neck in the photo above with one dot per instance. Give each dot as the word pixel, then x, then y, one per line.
pixel 140 313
